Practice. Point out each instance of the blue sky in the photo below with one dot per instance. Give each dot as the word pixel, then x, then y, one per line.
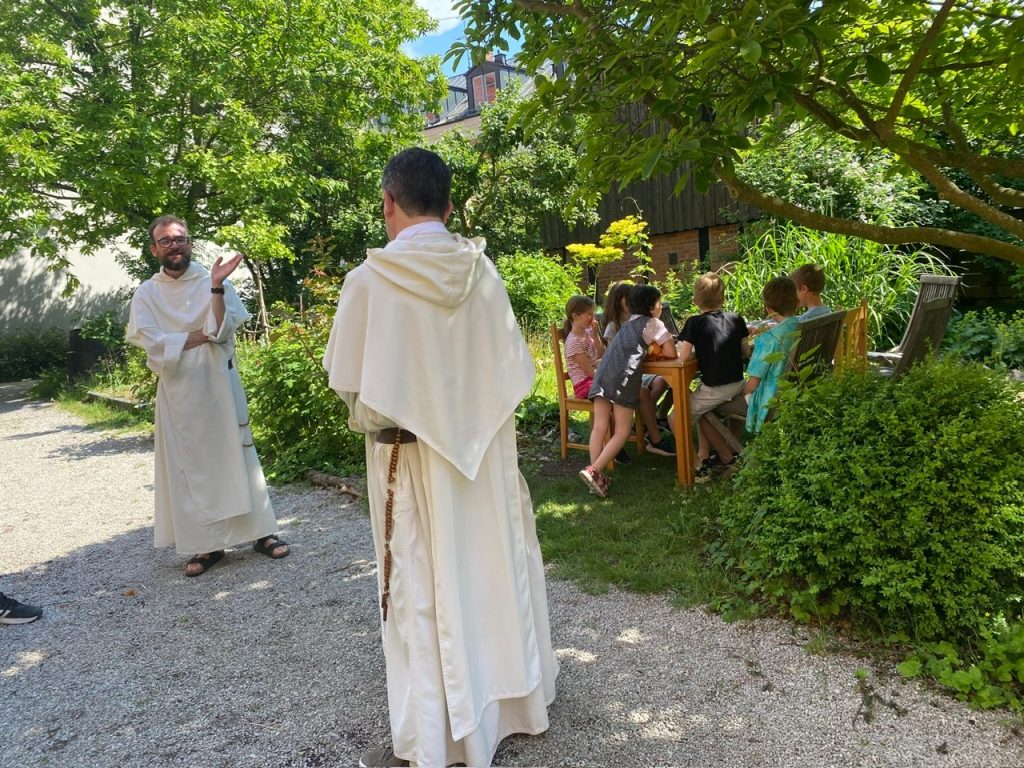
pixel 449 29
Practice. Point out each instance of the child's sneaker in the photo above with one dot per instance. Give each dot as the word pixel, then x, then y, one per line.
pixel 663 447
pixel 704 472
pixel 594 480
pixel 13 612
pixel 624 457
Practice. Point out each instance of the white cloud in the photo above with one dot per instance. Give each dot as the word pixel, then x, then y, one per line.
pixel 441 11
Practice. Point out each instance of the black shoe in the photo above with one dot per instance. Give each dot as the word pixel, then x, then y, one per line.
pixel 381 757
pixel 623 457
pixel 13 612
pixel 663 447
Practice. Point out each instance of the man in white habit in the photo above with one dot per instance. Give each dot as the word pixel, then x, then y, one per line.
pixel 427 354
pixel 210 490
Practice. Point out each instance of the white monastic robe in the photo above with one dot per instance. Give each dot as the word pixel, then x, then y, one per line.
pixel 425 338
pixel 210 489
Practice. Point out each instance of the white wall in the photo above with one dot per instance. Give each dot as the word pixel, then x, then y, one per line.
pixel 30 296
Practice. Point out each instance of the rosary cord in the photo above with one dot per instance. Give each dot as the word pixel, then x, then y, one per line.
pixel 389 523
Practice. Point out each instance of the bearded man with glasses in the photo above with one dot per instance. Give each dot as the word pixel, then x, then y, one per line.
pixel 210 489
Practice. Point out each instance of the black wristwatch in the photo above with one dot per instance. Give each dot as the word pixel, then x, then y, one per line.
pixel 217 290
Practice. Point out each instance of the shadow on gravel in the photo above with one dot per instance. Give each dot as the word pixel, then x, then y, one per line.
pixel 255 663
pixel 103 444
pixel 14 401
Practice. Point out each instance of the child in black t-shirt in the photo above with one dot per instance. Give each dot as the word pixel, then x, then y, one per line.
pixel 718 340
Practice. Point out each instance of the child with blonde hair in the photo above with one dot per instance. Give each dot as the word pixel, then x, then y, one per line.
pixel 809 280
pixel 717 339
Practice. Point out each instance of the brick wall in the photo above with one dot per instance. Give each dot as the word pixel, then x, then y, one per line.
pixel 671 251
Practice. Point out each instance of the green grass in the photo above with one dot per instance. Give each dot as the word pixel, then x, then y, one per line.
pixel 648 536
pixel 101 416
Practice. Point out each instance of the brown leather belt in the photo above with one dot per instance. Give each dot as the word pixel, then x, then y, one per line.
pixel 391 436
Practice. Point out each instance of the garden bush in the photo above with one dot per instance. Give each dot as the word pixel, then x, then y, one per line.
pixel 298 422
pixel 26 353
pixel 538 287
pixel 990 337
pixel 988 671
pixel 900 501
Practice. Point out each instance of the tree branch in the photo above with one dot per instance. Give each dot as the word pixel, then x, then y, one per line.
pixel 916 63
pixel 889 235
pixel 947 188
pixel 829 118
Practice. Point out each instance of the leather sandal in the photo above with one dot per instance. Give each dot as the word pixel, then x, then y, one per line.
pixel 208 560
pixel 268 544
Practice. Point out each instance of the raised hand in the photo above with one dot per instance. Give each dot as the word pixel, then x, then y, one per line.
pixel 221 270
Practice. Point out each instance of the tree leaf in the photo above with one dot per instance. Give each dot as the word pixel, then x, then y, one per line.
pixel 750 50
pixel 877 70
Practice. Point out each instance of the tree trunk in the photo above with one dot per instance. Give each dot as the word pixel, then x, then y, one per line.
pixel 257 276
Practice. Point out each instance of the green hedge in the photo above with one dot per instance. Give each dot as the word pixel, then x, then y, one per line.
pixel 26 353
pixel 538 287
pixel 990 337
pixel 900 501
pixel 298 422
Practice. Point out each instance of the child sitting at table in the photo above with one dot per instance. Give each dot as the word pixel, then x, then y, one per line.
pixel 616 390
pixel 767 364
pixel 616 312
pixel 583 345
pixel 810 282
pixel 717 339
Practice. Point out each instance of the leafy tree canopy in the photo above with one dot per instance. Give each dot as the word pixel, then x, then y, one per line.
pixel 225 112
pixel 506 178
pixel 935 85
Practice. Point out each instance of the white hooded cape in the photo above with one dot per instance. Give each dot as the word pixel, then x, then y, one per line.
pixel 425 338
pixel 426 335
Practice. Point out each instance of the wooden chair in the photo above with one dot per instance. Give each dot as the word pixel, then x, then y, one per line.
pixel 852 349
pixel 816 347
pixel 923 337
pixel 808 358
pixel 932 287
pixel 567 401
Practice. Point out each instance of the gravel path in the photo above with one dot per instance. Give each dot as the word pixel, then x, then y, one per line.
pixel 262 663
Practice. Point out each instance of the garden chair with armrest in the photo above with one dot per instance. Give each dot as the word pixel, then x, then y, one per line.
pixel 852 349
pixel 923 336
pixel 567 401
pixel 932 287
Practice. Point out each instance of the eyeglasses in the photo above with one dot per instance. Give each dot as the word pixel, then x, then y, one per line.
pixel 163 242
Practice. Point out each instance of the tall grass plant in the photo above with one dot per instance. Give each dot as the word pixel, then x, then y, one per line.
pixel 854 269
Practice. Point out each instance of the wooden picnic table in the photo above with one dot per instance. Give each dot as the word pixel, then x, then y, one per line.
pixel 679 374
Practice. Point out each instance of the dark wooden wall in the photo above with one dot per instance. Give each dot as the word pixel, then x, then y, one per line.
pixel 664 212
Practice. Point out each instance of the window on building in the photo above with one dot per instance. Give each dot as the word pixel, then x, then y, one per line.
pixel 485 89
pixel 673 258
